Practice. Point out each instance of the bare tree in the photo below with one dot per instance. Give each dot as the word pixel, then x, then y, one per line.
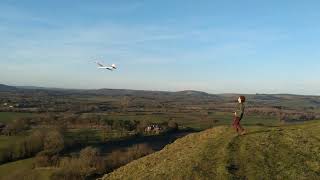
pixel 54 141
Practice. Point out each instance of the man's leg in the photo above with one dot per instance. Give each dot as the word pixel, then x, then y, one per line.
pixel 236 124
pixel 241 128
pixel 238 127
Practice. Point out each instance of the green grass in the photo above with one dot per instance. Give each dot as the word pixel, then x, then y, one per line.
pixel 84 135
pixel 11 168
pixel 22 169
pixel 6 141
pixel 6 117
pixel 43 174
pixel 283 152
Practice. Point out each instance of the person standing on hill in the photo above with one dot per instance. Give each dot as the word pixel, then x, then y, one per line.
pixel 238 115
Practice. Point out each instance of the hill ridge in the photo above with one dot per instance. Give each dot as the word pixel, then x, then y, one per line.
pixel 284 152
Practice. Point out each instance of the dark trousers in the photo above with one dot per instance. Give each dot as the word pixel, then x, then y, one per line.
pixel 236 124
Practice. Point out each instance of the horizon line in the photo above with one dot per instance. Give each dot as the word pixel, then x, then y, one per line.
pixel 83 89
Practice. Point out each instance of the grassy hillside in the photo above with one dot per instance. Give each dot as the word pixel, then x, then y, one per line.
pixel 285 152
pixel 10 168
pixel 23 168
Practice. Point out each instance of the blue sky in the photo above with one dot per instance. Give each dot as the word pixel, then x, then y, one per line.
pixel 215 46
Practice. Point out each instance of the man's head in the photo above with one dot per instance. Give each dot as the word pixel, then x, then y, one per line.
pixel 241 99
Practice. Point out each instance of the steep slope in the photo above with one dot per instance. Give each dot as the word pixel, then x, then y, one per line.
pixel 287 152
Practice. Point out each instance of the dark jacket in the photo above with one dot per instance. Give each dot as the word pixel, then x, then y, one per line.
pixel 240 110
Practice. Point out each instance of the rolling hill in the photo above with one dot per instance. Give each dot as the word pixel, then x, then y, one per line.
pixel 284 152
pixel 285 100
pixel 5 88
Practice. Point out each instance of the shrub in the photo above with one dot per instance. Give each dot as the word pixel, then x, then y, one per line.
pixel 54 141
pixel 87 164
pixel 173 126
pixel 46 159
pixel 119 158
pixel 15 127
pixel 27 147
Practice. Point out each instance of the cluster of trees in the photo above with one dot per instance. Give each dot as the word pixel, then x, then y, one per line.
pixel 39 103
pixel 127 125
pixel 15 127
pixel 91 163
pixel 24 148
pixel 51 141
pixel 121 125
pixel 125 128
pixel 265 111
pixel 296 117
pixel 285 115
pixel 53 144
pixel 48 142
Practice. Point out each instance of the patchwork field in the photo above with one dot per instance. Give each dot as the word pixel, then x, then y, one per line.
pixel 6 117
pixel 116 127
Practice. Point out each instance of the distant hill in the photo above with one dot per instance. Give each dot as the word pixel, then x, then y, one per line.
pixel 125 92
pixel 5 88
pixel 285 100
pixel 287 152
pixel 193 93
pixel 39 88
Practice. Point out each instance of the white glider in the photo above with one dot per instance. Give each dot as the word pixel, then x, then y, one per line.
pixel 111 67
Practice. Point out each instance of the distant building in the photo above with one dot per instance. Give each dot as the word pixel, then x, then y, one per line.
pixel 154 128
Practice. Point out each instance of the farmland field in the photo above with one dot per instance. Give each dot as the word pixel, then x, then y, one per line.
pixel 6 117
pixel 54 131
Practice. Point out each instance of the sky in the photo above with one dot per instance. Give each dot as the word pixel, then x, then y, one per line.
pixel 229 46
